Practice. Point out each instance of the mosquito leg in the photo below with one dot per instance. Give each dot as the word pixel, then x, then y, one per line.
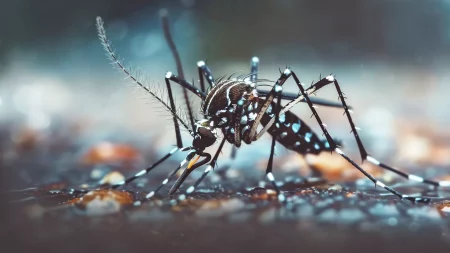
pixel 147 170
pixel 366 156
pixel 175 121
pixel 340 152
pixel 188 171
pixel 176 55
pixel 204 71
pixel 238 119
pixel 165 181
pixel 185 84
pixel 254 70
pixel 269 173
pixel 315 100
pixel 210 167
pixel 312 89
pixel 177 135
pixel 276 88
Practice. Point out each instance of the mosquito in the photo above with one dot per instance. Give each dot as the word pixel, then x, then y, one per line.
pixel 236 107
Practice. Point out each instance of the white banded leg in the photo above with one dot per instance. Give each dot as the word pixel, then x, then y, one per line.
pixel 269 175
pixel 381 184
pixel 165 181
pixel 371 159
pixel 203 70
pixel 147 170
pixel 340 152
pixel 408 176
pixel 273 92
pixel 208 169
pixel 312 89
pixel 254 69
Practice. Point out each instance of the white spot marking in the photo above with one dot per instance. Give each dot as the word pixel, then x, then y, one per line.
pixel 200 63
pixel 283 134
pixel 295 127
pixel 380 184
pixel 308 137
pixel 220 112
pixel 278 88
pixel 270 177
pixel 151 194
pixel 141 173
pixel 252 116
pixel 255 59
pixel 282 118
pixel 183 162
pixel 245 129
pixel 121 183
pixel 297 144
pixel 165 181
pixel 190 190
pixel 169 75
pixel 173 150
pixel 373 160
pixel 287 72
pixel 244 120
pixel 208 169
pixel 316 146
pixel 182 197
pixel 330 78
pixel 339 151
pixel 415 178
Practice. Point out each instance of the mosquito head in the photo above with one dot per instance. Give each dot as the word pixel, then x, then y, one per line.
pixel 204 134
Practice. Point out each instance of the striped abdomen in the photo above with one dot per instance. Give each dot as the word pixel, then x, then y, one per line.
pixel 293 133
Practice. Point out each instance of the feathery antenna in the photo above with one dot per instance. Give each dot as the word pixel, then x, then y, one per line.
pixel 128 72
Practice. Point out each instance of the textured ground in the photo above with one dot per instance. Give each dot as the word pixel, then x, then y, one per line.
pixel 231 212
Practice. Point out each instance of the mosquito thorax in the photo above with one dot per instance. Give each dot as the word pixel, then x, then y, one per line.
pixel 204 134
pixel 221 105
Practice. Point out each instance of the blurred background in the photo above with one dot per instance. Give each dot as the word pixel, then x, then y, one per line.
pixel 391 58
pixel 67 117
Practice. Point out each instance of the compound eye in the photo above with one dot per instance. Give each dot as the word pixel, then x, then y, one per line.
pixel 205 133
pixel 205 138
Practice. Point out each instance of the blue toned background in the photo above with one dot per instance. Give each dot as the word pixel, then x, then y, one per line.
pixel 391 57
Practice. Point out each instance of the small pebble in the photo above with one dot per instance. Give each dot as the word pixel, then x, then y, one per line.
pixel 103 201
pixel 112 178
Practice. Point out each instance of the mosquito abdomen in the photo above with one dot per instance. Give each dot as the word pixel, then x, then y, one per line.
pixel 293 133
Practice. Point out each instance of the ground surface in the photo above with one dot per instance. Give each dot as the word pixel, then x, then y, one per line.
pixel 226 214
